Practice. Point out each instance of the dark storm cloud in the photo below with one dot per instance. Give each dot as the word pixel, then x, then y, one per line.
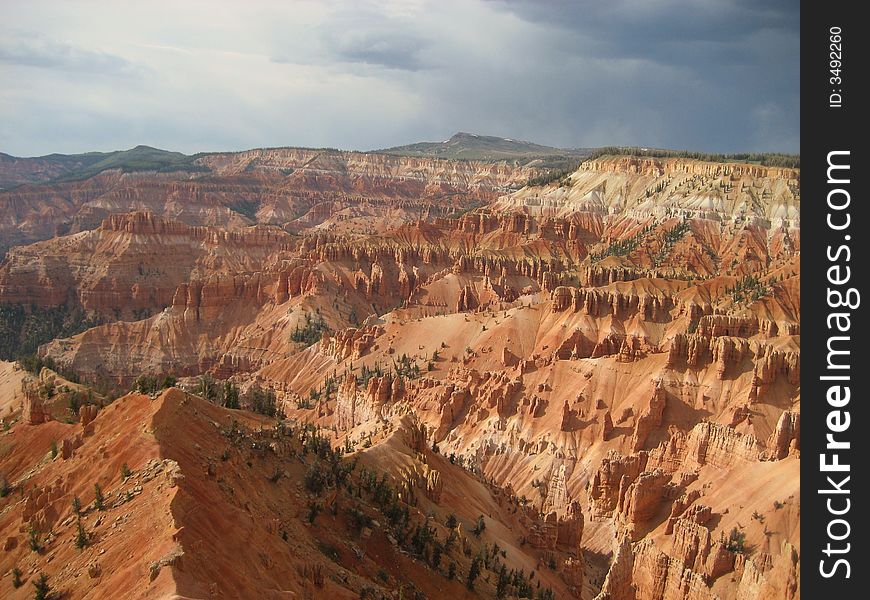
pixel 697 74
pixel 722 74
pixel 650 25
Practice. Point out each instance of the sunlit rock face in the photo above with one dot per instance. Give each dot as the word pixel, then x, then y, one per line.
pixel 615 356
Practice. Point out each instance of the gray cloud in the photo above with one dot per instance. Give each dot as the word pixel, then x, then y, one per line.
pixel 35 50
pixel 713 76
pixel 380 48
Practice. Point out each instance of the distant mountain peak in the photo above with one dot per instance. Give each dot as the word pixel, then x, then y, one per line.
pixel 464 145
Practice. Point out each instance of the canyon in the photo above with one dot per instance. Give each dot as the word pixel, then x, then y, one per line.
pixel 596 374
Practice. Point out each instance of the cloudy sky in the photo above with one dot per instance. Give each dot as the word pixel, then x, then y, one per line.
pixel 190 75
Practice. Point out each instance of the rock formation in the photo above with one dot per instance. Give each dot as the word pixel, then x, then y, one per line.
pixel 602 359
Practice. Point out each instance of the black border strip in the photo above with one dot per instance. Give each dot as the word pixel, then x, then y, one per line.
pixel 830 126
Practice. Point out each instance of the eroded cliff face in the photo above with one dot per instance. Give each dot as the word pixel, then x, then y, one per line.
pixel 132 264
pixel 688 188
pixel 296 188
pixel 617 358
pixel 184 484
pixel 673 442
pixel 430 172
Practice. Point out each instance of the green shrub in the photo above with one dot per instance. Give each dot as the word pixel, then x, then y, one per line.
pixel 248 208
pixel 769 159
pixel 736 541
pixel 262 401
pixel 358 519
pixel 329 551
pixel 150 384
pixel 24 328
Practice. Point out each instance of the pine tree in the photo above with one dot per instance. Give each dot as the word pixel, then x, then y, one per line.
pixel 16 578
pixel 479 527
pixel 231 395
pixel 81 536
pixel 33 537
pixel 42 588
pixel 313 511
pixel 501 586
pixel 473 572
pixel 99 499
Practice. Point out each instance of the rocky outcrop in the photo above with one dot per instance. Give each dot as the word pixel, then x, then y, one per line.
pixel 355 406
pixel 570 528
pixel 607 426
pixel 650 419
pixel 42 507
pixel 612 479
pixel 690 349
pixel 695 547
pixel 643 497
pixel 706 444
pixel 786 438
pixel 420 478
pixel 719 445
pixel 744 326
pixel 33 411
pixel 604 302
pixel 556 498
pixel 142 259
pixel 683 507
pixel 350 343
pixel 619 582
pixel 728 353
pixel 672 166
pixel 467 299
pixel 87 413
pixel 772 362
pixel 642 187
pixel 658 576
pixel 549 531
pixel 643 571
pixel 765 576
pixel 598 275
pixel 406 173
